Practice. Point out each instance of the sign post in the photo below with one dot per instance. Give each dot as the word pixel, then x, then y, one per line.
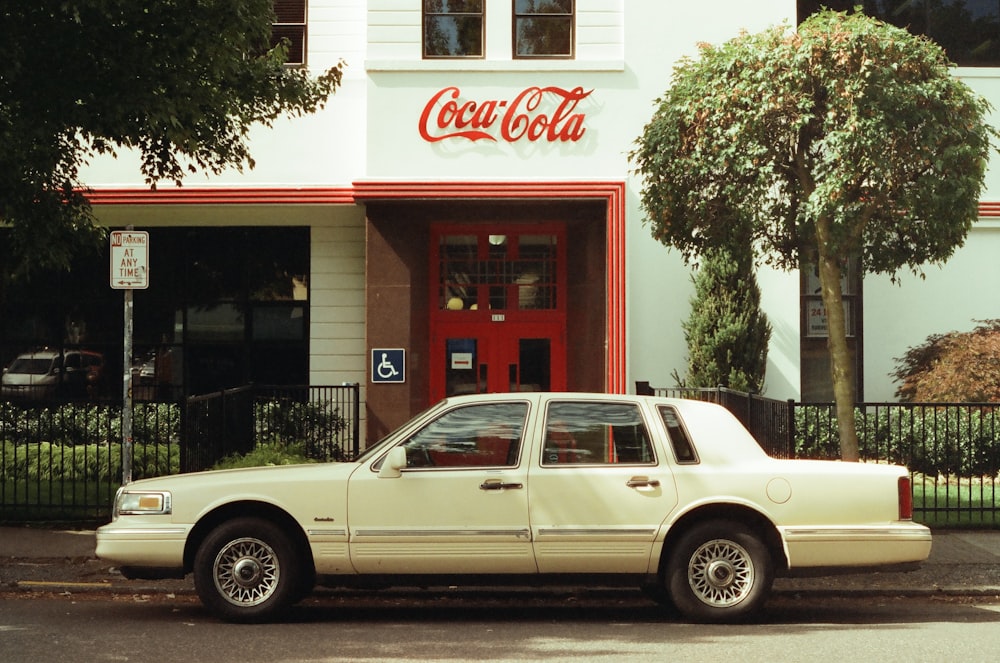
pixel 129 270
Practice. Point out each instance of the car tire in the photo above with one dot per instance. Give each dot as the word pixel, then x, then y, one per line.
pixel 718 572
pixel 245 571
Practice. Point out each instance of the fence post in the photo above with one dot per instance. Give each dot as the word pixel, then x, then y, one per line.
pixel 357 419
pixel 790 429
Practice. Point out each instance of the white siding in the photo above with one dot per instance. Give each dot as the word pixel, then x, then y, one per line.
pixel 394 33
pixel 337 312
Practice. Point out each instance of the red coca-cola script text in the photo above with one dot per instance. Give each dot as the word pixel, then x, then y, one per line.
pixel 537 113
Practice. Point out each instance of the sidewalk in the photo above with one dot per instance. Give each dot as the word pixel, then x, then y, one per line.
pixel 962 563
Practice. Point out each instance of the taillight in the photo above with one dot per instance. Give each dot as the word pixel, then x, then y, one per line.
pixel 905 498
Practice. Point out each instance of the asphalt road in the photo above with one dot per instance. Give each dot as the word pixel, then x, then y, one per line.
pixel 518 626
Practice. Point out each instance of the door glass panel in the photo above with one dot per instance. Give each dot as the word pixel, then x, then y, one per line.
pixel 460 366
pixel 459 271
pixel 474 436
pixel 579 432
pixel 535 359
pixel 536 272
pixel 513 271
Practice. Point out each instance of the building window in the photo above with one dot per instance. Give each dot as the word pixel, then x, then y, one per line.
pixel 228 306
pixel 290 24
pixel 968 30
pixel 814 354
pixel 543 28
pixel 453 29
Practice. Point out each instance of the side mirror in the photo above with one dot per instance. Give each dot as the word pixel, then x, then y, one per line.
pixel 393 464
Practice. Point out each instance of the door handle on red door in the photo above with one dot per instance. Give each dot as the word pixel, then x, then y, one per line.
pixel 642 482
pixel 497 484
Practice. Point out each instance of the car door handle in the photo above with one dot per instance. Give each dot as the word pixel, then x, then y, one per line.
pixel 642 482
pixel 497 484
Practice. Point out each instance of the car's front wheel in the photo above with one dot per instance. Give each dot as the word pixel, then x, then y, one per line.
pixel 719 571
pixel 245 570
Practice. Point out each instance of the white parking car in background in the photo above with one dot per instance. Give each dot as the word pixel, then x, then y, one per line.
pixel 525 488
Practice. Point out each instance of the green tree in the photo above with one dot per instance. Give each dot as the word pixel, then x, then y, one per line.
pixel 848 137
pixel 180 81
pixel 726 333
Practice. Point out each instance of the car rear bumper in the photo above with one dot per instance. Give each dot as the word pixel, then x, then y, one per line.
pixel 901 545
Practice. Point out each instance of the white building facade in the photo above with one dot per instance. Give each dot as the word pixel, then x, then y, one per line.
pixel 474 218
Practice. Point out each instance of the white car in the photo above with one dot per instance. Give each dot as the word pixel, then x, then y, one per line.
pixel 526 488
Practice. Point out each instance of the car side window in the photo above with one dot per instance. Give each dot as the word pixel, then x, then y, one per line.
pixel 680 441
pixel 595 433
pixel 485 435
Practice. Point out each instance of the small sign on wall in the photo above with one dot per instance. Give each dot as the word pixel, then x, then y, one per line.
pixel 388 365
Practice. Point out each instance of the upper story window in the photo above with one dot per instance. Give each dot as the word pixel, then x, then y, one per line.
pixel 453 28
pixel 968 30
pixel 290 23
pixel 543 28
pixel 457 28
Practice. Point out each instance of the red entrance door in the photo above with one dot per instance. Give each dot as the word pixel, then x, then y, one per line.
pixel 499 324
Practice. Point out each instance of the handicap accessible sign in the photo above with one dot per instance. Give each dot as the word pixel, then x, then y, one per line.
pixel 388 365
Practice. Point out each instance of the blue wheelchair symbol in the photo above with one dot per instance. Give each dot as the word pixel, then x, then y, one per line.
pixel 388 365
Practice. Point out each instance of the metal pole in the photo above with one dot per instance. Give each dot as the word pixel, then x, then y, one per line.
pixel 127 392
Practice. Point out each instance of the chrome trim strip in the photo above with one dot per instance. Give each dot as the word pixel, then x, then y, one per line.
pixel 558 531
pixel 520 533
pixel 327 532
pixel 907 532
pixel 119 532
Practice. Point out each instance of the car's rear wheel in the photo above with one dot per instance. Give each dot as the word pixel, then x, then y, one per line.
pixel 719 571
pixel 245 570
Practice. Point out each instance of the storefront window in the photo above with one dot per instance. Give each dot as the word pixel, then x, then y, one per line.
pixel 224 307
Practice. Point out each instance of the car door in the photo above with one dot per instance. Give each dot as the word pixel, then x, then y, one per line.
pixel 460 504
pixel 599 488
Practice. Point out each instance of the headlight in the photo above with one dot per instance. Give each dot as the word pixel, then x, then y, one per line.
pixel 141 502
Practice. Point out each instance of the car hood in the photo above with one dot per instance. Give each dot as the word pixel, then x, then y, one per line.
pixel 249 476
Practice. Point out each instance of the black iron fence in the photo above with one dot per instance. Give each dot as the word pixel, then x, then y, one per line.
pixel 951 449
pixel 62 460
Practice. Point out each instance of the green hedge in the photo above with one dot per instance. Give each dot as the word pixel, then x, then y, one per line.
pixel 954 439
pixel 44 461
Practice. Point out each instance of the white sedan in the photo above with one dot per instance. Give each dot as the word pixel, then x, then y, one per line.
pixel 667 494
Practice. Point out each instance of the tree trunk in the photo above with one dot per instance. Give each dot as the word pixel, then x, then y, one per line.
pixel 841 367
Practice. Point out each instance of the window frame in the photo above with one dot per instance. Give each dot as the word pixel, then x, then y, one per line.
pixel 576 455
pixel 302 28
pixel 425 14
pixel 517 16
pixel 470 448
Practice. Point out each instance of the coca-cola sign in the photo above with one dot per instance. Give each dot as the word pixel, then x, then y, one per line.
pixel 536 113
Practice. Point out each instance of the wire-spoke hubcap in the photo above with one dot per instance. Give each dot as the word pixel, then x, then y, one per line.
pixel 721 573
pixel 246 572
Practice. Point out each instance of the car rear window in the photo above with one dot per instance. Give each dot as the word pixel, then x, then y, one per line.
pixel 680 441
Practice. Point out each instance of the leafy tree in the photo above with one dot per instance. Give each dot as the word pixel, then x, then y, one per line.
pixel 180 81
pixel 849 137
pixel 726 333
pixel 957 367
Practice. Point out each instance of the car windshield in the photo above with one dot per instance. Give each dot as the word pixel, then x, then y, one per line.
pixel 30 366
